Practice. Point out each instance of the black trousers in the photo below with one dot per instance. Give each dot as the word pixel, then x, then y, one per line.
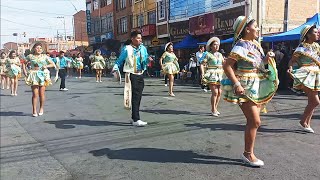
pixel 199 74
pixel 62 75
pixel 137 85
pixel 194 73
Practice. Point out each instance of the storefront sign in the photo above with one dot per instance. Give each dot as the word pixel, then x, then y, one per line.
pixel 224 20
pixel 155 41
pixel 179 30
pixel 202 24
pixel 147 30
pixel 88 16
pixel 108 35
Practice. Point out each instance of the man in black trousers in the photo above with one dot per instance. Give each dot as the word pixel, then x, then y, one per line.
pixel 134 59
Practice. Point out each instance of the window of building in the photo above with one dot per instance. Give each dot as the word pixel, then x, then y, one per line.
pixel 122 4
pixel 152 17
pixel 161 10
pixel 122 25
pixel 96 26
pixel 107 23
pixel 104 3
pixel 95 4
pixel 140 20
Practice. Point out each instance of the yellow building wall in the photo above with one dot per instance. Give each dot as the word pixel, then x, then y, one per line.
pixel 142 7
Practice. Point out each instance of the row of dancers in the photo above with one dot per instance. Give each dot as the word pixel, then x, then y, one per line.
pixel 247 77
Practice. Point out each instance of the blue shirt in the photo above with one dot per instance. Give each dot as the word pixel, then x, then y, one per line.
pixel 203 56
pixel 63 62
pixel 139 52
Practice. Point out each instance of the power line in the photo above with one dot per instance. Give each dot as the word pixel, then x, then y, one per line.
pixel 41 12
pixel 25 24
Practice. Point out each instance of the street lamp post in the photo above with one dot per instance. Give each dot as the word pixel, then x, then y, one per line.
pixel 64 26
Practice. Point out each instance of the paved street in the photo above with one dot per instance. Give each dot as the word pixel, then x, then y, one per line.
pixel 85 134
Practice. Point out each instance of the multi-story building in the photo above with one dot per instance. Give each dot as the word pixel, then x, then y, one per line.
pixel 162 14
pixel 207 18
pixel 100 22
pixel 144 19
pixel 123 19
pixel 80 30
pixel 20 48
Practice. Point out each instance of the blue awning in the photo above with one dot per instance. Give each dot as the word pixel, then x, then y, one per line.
pixel 104 51
pixel 230 40
pixel 293 34
pixel 187 43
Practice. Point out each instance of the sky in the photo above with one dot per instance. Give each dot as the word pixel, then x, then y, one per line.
pixel 37 18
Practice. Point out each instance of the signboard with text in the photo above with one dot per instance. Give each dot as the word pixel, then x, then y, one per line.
pixel 88 17
pixel 224 20
pixel 202 24
pixel 179 30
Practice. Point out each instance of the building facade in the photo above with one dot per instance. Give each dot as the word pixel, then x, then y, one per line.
pixel 162 24
pixel 278 16
pixel 20 48
pixel 80 30
pixel 123 19
pixel 144 19
pixel 100 21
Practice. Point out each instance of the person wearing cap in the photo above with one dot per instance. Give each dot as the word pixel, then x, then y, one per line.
pixel 248 83
pixel 39 75
pixel 169 65
pixel 307 75
pixel 98 63
pixel 134 59
pixel 213 74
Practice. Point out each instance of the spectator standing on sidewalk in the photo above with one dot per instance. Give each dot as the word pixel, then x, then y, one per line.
pixel 193 67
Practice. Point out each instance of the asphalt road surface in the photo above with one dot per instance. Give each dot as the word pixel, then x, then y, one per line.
pixel 85 134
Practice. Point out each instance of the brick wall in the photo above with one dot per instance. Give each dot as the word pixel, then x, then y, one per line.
pixel 80 26
pixel 299 11
pixel 127 12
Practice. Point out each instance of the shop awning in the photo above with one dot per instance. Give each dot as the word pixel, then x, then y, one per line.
pixel 187 43
pixel 230 40
pixel 293 34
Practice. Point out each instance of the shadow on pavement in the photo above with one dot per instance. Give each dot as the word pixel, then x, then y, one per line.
pixel 144 94
pixel 290 116
pixel 170 111
pixel 164 156
pixel 13 113
pixel 119 87
pixel 69 124
pixel 237 127
pixel 5 95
